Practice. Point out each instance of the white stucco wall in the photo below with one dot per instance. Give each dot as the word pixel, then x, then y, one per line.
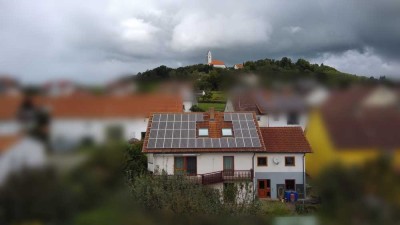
pixel 206 162
pixel 280 167
pixel 74 130
pixel 8 127
pixel 229 106
pixel 280 120
pixel 187 105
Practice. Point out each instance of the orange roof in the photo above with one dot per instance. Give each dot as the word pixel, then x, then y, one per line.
pixel 7 141
pixel 285 139
pixel 9 106
pixel 89 106
pixel 217 62
pixel 239 66
pixel 111 106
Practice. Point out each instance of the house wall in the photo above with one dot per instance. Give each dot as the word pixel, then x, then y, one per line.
pixel 280 120
pixel 325 154
pixel 212 162
pixel 229 106
pixel 187 105
pixel 8 127
pixel 66 133
pixel 278 173
pixel 263 121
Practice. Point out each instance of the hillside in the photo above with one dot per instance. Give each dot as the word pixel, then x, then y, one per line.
pixel 269 70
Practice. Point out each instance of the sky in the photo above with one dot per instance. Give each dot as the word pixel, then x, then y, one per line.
pixel 96 41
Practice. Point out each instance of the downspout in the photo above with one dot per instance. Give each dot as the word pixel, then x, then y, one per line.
pixel 304 175
pixel 254 183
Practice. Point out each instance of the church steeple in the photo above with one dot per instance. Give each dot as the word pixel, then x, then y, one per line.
pixel 209 57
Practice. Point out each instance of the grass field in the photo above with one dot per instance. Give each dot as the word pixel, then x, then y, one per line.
pixel 277 208
pixel 220 107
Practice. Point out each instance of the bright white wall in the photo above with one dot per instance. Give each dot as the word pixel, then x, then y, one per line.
pixel 206 162
pixel 229 106
pixel 272 167
pixel 263 121
pixel 9 127
pixel 73 130
pixel 188 105
pixel 282 121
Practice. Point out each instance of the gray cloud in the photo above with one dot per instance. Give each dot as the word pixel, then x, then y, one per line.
pixel 97 40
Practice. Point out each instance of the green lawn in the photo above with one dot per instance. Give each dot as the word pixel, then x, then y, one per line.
pixel 220 107
pixel 276 208
pixel 218 96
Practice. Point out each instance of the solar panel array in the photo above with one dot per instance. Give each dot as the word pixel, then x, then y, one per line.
pixel 179 131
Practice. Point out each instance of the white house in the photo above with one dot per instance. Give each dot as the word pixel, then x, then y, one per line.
pixel 273 109
pixel 214 62
pixel 219 149
pixel 17 152
pixel 98 118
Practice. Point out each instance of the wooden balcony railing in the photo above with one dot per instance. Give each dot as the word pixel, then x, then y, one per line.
pixel 221 176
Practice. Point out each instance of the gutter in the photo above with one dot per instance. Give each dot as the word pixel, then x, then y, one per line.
pixel 304 176
pixel 254 183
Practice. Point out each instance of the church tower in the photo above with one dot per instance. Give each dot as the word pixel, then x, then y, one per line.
pixel 209 57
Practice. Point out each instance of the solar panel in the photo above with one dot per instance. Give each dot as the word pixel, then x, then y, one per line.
pixel 207 143
pixel 199 143
pixel 179 131
pixel 216 142
pixel 184 143
pixel 151 143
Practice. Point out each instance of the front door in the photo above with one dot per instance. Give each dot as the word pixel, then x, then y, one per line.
pixel 229 167
pixel 264 188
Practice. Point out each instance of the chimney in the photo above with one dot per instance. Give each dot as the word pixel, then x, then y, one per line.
pixel 212 114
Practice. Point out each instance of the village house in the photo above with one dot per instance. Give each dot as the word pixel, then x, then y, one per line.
pixel 238 66
pixel 354 126
pixel 88 118
pixel 219 149
pixel 273 109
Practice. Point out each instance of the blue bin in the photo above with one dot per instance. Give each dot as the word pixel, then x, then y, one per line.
pixel 288 196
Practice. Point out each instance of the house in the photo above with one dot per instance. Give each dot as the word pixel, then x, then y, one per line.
pixel 98 118
pixel 183 89
pixel 120 87
pixel 273 109
pixel 214 62
pixel 89 118
pixel 9 86
pixel 238 66
pixel 219 149
pixel 18 152
pixel 354 126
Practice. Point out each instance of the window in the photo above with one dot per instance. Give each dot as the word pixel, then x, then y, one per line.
pixel 289 161
pixel 203 132
pixel 262 161
pixel 290 185
pixel 229 165
pixel 227 132
pixel 185 165
pixel 143 135
pixel 293 118
pixel 258 118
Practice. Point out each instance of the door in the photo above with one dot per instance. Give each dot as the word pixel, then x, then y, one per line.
pixel 264 188
pixel 191 164
pixel 229 167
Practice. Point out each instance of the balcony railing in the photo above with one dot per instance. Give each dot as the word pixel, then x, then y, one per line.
pixel 221 176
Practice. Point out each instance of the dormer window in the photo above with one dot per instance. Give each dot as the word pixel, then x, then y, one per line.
pixel 203 132
pixel 227 132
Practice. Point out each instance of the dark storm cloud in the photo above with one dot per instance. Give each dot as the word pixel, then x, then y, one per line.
pixel 95 41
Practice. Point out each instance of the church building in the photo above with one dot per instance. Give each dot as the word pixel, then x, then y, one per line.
pixel 215 63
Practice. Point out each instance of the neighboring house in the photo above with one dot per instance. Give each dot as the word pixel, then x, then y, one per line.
pixel 183 89
pixel 98 118
pixel 238 66
pixel 121 87
pixel 214 62
pixel 9 124
pixel 62 88
pixel 273 109
pixel 9 86
pixel 354 126
pixel 219 149
pixel 17 153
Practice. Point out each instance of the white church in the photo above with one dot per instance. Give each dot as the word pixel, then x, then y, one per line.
pixel 216 63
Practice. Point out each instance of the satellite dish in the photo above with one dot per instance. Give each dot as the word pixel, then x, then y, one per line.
pixel 276 160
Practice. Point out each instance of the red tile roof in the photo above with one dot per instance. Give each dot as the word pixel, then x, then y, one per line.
pixel 285 140
pixel 217 62
pixel 9 106
pixel 351 124
pixel 7 141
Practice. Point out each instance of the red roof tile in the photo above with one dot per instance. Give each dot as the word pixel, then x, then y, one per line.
pixel 285 139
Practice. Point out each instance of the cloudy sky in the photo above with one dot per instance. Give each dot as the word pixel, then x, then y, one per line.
pixel 94 41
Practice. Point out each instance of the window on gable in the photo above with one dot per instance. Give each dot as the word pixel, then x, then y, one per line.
pixel 293 118
pixel 227 132
pixel 289 161
pixel 262 161
pixel 203 132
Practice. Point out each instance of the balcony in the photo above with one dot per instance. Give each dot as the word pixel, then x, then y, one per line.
pixel 221 176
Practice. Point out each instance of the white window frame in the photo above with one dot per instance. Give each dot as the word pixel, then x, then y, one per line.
pixel 229 130
pixel 203 132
